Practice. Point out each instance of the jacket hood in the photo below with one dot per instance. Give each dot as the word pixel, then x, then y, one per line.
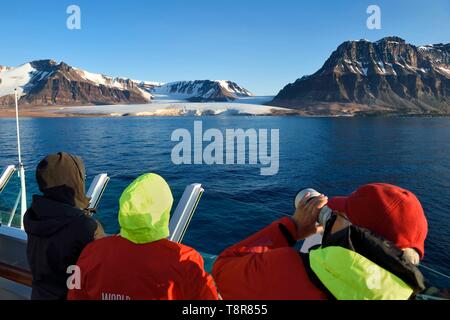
pixel 45 217
pixel 144 209
pixel 61 177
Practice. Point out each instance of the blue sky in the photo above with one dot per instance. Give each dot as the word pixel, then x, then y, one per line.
pixel 260 44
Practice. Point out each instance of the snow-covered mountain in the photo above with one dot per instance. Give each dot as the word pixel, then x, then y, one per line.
pixel 46 82
pixel 200 91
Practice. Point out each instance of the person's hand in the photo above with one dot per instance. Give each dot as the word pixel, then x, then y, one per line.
pixel 99 232
pixel 305 217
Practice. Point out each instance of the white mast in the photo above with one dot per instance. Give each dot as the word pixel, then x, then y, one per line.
pixel 21 168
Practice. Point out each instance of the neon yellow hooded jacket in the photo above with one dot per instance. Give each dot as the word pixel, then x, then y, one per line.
pixel 144 209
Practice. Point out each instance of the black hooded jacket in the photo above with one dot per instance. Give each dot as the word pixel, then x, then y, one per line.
pixel 57 227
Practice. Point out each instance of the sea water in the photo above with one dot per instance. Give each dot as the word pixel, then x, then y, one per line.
pixel 332 155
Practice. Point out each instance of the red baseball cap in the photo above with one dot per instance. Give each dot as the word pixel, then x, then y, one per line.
pixel 389 211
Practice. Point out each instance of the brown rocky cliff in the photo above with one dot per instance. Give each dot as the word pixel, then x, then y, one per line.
pixel 387 76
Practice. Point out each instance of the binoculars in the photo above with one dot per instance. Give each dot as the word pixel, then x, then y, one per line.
pixel 325 212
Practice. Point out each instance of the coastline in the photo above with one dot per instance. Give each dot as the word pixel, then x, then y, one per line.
pixel 90 112
pixel 165 109
pixel 43 112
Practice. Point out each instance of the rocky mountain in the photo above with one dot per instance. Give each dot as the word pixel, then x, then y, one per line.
pixel 48 83
pixel 201 91
pixel 389 76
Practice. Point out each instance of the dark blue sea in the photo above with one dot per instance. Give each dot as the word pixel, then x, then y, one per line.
pixel 332 155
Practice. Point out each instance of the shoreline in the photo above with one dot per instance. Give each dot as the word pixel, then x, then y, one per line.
pixel 44 112
pixel 178 109
pixel 64 112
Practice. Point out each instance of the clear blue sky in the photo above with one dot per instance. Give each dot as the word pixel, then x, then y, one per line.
pixel 261 44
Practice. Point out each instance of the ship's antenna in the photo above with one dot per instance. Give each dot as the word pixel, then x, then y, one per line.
pixel 23 201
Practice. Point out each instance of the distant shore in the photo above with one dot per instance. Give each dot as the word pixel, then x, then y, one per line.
pixel 43 112
pixel 127 111
pixel 168 109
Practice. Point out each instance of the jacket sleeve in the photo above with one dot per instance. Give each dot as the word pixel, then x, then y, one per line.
pixel 279 234
pixel 201 285
pixel 85 232
pixel 242 270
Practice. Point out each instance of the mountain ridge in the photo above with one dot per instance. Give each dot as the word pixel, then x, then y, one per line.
pixel 49 83
pixel 203 90
pixel 388 76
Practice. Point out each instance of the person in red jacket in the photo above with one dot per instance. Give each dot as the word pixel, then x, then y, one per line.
pixel 140 263
pixel 370 249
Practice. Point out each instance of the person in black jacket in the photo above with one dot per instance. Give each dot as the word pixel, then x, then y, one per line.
pixel 57 225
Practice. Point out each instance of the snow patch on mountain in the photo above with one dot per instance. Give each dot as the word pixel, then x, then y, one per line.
pixel 445 71
pixel 100 79
pixel 19 77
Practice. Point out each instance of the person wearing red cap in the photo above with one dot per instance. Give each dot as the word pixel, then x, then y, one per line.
pixel 372 243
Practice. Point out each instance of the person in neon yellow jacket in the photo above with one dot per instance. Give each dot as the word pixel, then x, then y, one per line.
pixel 140 263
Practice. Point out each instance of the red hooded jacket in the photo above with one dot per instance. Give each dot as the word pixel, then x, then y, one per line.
pixel 114 268
pixel 265 260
